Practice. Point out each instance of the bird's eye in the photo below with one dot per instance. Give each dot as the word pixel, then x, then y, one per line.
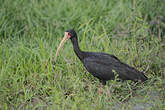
pixel 69 34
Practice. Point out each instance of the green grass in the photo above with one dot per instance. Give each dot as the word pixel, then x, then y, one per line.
pixel 31 30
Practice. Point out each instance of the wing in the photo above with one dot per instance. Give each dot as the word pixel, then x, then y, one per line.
pixel 127 72
pixel 101 65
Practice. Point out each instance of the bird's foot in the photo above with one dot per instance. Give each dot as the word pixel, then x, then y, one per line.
pixel 101 89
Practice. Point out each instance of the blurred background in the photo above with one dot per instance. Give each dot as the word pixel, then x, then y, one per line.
pixel 31 30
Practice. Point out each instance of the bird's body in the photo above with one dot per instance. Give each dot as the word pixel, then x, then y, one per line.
pixel 103 65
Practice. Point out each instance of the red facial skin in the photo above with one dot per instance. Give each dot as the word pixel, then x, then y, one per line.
pixel 69 35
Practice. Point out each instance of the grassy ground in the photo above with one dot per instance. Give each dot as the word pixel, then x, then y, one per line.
pixel 31 30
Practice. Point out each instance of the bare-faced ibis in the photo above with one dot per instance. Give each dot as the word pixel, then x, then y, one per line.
pixel 102 65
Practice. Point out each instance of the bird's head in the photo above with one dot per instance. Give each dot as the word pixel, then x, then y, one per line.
pixel 69 34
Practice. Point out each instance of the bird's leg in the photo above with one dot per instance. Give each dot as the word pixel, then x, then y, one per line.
pixel 102 83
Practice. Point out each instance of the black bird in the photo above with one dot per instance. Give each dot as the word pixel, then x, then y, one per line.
pixel 102 65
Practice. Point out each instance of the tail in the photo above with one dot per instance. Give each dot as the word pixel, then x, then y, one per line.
pixel 142 77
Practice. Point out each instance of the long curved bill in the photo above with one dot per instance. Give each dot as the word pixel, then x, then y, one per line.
pixel 61 45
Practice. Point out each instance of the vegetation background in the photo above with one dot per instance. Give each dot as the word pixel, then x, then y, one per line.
pixel 31 30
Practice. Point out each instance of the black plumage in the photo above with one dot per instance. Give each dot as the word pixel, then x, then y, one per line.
pixel 103 65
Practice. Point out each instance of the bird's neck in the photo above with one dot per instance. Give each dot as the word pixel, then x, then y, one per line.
pixel 76 48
